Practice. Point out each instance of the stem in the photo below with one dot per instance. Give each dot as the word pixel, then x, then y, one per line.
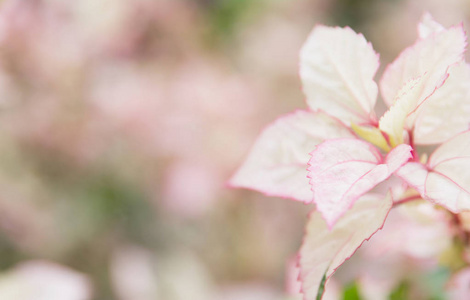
pixel 411 143
pixel 407 199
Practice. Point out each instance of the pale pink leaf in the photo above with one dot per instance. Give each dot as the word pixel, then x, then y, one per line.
pixel 278 161
pixel 337 67
pixel 432 55
pixel 430 116
pixel 428 26
pixel 342 170
pixel 324 250
pixel 447 111
pixel 448 183
pixel 446 178
pixel 414 174
pixel 397 118
pixel 398 157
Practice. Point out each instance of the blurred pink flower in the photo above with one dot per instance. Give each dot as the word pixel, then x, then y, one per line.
pixel 201 183
pixel 42 280
pixel 249 291
pixel 134 274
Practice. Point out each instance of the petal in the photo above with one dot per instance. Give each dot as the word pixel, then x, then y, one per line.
pixel 431 55
pixel 446 178
pixel 277 163
pixel 342 170
pixel 323 251
pixel 447 111
pixel 337 67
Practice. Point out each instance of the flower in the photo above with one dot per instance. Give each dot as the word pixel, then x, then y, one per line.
pixel 40 279
pixel 426 89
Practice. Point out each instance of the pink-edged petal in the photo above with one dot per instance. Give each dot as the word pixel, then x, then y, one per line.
pixel 337 67
pixel 432 55
pixel 446 178
pixel 324 250
pixel 342 170
pixel 447 111
pixel 277 162
pixel 428 26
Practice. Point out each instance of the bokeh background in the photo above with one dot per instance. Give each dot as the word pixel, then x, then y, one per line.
pixel 121 122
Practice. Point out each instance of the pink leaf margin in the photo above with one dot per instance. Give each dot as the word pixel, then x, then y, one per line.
pixel 383 169
pixel 299 255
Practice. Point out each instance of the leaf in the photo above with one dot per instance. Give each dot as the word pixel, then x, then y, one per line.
pixel 351 292
pixel 445 180
pixel 373 135
pixel 449 181
pixel 393 122
pixel 401 292
pixel 432 55
pixel 433 118
pixel 323 251
pixel 337 67
pixel 438 106
pixel 342 170
pixel 428 26
pixel 447 111
pixel 277 162
pixel 414 174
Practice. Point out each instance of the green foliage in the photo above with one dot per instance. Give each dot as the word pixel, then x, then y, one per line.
pixel 9 254
pixel 225 15
pixel 351 292
pixel 400 292
pixel 353 13
pixel 430 284
pixel 115 203
pixel 435 281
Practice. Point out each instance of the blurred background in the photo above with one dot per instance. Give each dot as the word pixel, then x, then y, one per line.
pixel 122 120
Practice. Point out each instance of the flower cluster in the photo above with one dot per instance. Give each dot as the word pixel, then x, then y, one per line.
pixel 360 166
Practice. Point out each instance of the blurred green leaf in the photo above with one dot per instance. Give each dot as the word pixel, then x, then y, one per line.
pixel 9 254
pixel 400 292
pixel 225 15
pixel 351 292
pixel 354 13
pixel 434 283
